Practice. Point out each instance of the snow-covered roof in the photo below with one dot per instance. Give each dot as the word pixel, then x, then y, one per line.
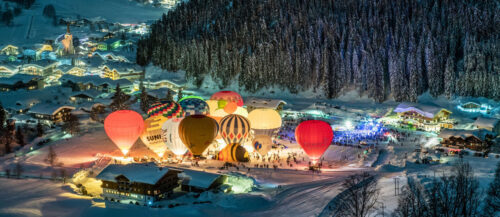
pixel 89 93
pixel 157 75
pixel 486 122
pixel 264 103
pixel 199 179
pixel 427 110
pixel 41 63
pixel 24 78
pixel 95 80
pixel 159 93
pixel 141 173
pixel 123 66
pixel 66 68
pixel 48 108
pixel 448 133
pixel 94 62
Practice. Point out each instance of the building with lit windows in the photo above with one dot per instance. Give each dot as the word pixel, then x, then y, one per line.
pixel 21 81
pixel 140 184
pixel 425 117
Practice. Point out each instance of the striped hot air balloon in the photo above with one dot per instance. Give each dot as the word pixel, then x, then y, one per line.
pixel 233 153
pixel 168 109
pixel 194 106
pixel 234 129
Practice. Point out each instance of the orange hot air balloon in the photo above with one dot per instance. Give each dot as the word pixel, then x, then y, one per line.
pixel 229 96
pixel 123 127
pixel 197 132
pixel 230 107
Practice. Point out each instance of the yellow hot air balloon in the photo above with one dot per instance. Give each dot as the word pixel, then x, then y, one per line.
pixel 212 105
pixel 265 121
pixel 197 132
pixel 152 136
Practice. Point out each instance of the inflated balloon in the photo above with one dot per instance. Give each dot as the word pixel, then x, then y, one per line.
pixel 171 136
pixel 230 107
pixel 190 97
pixel 123 127
pixel 314 137
pixel 233 153
pixel 152 134
pixel 197 132
pixel 264 121
pixel 262 144
pixel 213 105
pixel 229 96
pixel 168 109
pixel 241 111
pixel 221 104
pixel 194 106
pixel 234 129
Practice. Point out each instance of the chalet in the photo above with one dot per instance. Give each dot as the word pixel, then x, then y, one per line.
pixel 42 68
pixel 21 81
pixel 50 113
pixel 93 82
pixel 10 50
pixel 478 140
pixel 255 103
pixel 475 107
pixel 425 117
pixel 490 124
pixel 69 69
pixel 174 81
pixel 199 181
pixel 7 70
pixel 84 96
pixel 110 57
pixel 117 70
pixel 140 184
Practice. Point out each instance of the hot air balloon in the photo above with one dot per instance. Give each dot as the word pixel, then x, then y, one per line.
pixel 123 127
pixel 234 129
pixel 233 153
pixel 314 137
pixel 228 96
pixel 152 136
pixel 194 106
pixel 168 109
pixel 262 144
pixel 265 121
pixel 171 136
pixel 190 97
pixel 197 132
pixel 212 105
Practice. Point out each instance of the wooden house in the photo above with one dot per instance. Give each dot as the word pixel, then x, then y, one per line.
pixel 10 50
pixel 478 140
pixel 425 117
pixel 21 81
pixel 50 114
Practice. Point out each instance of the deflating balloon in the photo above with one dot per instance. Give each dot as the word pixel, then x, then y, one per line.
pixel 233 153
pixel 234 129
pixel 194 106
pixel 229 96
pixel 262 144
pixel 123 127
pixel 197 132
pixel 265 121
pixel 171 136
pixel 314 137
pixel 166 108
pixel 152 136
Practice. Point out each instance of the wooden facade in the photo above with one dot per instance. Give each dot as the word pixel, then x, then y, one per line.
pixel 470 142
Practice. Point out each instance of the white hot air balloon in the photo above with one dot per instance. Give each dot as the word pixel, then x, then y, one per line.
pixel 171 136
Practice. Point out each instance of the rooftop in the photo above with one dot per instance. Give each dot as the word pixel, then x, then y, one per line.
pixel 141 173
pixel 48 108
pixel 264 103
pixel 199 179
pixel 24 78
pixel 427 110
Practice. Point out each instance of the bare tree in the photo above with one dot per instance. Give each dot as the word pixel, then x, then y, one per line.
pixel 412 201
pixel 51 157
pixel 360 194
pixel 492 203
pixel 18 170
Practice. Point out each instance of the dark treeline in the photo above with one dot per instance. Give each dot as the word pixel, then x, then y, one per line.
pixel 383 47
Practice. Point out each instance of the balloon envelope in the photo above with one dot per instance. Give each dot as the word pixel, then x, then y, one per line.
pixel 229 96
pixel 234 129
pixel 233 153
pixel 197 132
pixel 265 121
pixel 314 137
pixel 152 136
pixel 190 97
pixel 123 127
pixel 194 106
pixel 171 136
pixel 262 144
pixel 168 109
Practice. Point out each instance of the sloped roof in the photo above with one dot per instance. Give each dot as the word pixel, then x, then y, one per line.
pixel 199 179
pixel 448 133
pixel 427 110
pixel 66 68
pixel 95 80
pixel 123 66
pixel 486 122
pixel 141 173
pixel 88 93
pixel 264 103
pixel 48 108
pixel 18 78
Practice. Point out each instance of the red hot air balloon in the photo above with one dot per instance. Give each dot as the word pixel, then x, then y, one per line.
pixel 229 96
pixel 123 127
pixel 314 137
